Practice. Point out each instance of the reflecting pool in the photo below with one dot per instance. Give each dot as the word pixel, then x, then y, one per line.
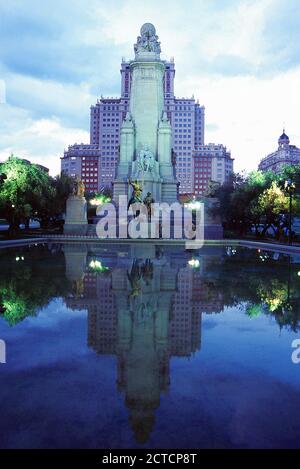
pixel 123 346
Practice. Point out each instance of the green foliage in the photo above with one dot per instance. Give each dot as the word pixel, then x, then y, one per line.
pixel 27 191
pixel 265 285
pixel 27 285
pixel 16 308
pixel 260 200
pixel 253 310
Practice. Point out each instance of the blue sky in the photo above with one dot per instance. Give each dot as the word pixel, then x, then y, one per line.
pixel 240 58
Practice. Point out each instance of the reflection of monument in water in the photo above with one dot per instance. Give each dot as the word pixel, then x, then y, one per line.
pixel 146 310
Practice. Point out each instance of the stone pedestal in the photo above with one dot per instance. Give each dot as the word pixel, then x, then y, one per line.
pixel 213 228
pixel 169 191
pixel 76 216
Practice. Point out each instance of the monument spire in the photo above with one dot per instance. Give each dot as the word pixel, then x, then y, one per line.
pixel 146 137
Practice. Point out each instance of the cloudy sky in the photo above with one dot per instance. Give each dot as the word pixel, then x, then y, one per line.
pixel 240 58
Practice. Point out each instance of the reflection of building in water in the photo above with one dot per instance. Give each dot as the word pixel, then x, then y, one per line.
pixel 185 324
pixel 102 316
pixel 207 297
pixel 144 311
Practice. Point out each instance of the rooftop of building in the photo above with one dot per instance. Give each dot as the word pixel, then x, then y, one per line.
pixel 286 148
pixel 283 137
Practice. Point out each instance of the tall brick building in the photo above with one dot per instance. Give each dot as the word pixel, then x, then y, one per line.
pixel 96 162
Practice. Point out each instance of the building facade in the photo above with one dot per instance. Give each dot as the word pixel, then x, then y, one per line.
pixel 286 154
pixel 187 120
pixel 211 163
pixel 186 117
pixel 83 161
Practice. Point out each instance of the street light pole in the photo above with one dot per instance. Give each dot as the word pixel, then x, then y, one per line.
pixel 290 219
pixel 290 187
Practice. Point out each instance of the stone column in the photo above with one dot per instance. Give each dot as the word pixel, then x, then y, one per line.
pixel 126 147
pixel 146 102
pixel 126 157
pixel 165 149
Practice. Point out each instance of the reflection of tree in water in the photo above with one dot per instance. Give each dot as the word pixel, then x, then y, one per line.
pixel 30 282
pixel 268 283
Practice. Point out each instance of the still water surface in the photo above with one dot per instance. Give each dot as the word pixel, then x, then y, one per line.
pixel 149 346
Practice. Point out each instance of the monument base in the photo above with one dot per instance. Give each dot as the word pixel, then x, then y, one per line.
pixel 76 216
pixel 166 191
pixel 213 228
pixel 75 229
pixel 169 192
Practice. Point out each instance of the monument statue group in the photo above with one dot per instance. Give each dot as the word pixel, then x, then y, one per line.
pixel 146 168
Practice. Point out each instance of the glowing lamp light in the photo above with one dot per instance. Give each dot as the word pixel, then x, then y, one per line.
pixel 194 205
pixel 194 263
pixel 102 199
pixel 97 266
pixel 19 258
pixel 298 273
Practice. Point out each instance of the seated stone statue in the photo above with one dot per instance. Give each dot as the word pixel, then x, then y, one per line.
pixel 146 159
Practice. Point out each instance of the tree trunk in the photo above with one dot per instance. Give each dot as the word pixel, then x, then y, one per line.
pixel 265 229
pixel 44 223
pixel 13 229
pixel 257 233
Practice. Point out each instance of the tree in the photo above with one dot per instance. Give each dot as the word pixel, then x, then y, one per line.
pixel 258 200
pixel 28 191
pixel 292 173
pixel 269 208
pixel 30 281
pixel 53 204
pixel 236 197
pixel 23 191
pixel 212 188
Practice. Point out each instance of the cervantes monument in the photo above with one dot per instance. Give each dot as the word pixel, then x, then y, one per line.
pixel 146 136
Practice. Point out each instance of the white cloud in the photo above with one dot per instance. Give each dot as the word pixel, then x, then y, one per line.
pixel 238 32
pixel 48 97
pixel 199 29
pixel 223 56
pixel 247 113
pixel 41 141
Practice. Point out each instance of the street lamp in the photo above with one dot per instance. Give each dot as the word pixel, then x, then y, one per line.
pixel 290 187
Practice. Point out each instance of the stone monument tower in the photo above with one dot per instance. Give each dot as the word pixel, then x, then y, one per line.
pixel 146 135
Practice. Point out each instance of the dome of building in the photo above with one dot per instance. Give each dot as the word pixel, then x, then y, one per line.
pixel 283 138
